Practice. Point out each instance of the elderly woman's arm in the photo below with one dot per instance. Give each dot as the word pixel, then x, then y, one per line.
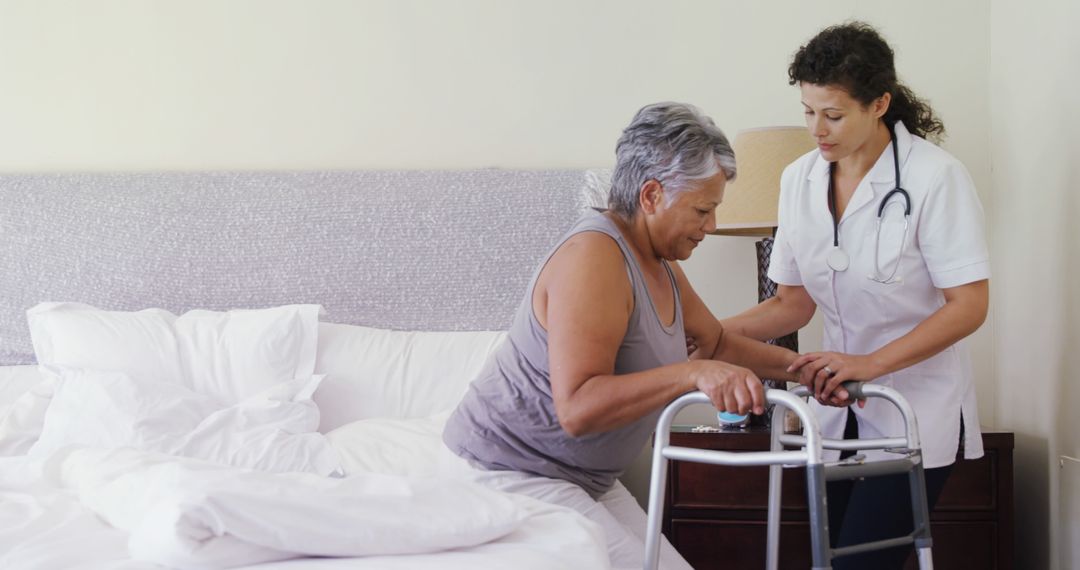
pixel 583 298
pixel 716 342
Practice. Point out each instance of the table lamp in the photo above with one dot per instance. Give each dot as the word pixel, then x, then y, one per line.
pixel 750 203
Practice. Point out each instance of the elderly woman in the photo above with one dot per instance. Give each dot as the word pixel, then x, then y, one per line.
pixel 599 343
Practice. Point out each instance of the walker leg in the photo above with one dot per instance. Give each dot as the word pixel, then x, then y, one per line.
pixel 772 534
pixel 920 515
pixel 926 560
pixel 821 555
pixel 776 476
pixel 657 486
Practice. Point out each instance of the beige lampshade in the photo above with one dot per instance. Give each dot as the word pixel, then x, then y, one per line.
pixel 749 207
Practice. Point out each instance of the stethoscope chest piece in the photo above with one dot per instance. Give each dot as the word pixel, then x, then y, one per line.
pixel 838 259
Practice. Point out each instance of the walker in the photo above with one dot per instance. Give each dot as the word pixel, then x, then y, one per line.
pixel 817 472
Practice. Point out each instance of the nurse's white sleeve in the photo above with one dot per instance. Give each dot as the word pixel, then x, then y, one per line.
pixel 783 267
pixel 950 230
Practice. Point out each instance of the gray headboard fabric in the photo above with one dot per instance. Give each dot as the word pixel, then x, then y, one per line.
pixel 408 250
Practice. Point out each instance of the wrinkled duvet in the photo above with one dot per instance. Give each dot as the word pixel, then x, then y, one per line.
pixel 123 508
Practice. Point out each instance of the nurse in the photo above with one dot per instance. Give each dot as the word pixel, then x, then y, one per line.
pixel 900 276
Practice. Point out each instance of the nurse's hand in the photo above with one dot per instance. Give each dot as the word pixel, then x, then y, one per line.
pixel 691 346
pixel 731 388
pixel 824 372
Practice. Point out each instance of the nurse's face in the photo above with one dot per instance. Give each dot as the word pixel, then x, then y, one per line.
pixel 840 124
pixel 681 223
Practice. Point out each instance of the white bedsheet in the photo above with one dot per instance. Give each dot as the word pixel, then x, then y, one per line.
pixel 89 508
pixel 14 382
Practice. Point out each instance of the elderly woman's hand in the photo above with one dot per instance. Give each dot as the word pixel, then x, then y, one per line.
pixel 730 388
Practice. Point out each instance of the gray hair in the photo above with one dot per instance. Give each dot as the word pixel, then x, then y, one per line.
pixel 673 143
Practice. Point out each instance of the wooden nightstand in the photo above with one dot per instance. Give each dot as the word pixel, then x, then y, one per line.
pixel 715 516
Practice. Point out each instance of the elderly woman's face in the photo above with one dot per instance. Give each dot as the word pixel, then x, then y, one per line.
pixel 687 219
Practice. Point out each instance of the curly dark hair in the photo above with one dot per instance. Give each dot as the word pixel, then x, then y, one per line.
pixel 855 57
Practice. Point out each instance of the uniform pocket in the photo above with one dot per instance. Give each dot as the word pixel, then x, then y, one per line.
pixel 878 298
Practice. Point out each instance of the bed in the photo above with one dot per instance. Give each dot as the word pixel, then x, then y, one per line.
pixel 251 369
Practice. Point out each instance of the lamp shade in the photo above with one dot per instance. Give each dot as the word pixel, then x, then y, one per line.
pixel 749 207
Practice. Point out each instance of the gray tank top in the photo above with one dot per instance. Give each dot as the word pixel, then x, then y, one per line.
pixel 507 420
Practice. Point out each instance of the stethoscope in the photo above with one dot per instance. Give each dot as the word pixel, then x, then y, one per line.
pixel 838 259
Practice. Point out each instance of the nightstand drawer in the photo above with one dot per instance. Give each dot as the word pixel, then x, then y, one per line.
pixel 972 485
pixel 703 486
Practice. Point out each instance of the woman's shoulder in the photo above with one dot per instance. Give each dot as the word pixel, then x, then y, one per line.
pixel 590 264
pixel 589 248
pixel 595 220
pixel 932 163
pixel 796 175
pixel 593 240
pixel 804 164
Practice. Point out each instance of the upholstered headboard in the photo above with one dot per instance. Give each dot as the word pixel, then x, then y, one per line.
pixel 417 250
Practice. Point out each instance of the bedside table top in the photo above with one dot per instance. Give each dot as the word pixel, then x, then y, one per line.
pixel 689 428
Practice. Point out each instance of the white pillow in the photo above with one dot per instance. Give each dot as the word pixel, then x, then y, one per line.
pixel 229 355
pixel 375 373
pixel 270 431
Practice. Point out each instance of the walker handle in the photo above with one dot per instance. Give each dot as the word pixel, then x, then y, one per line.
pixel 853 387
pixel 862 390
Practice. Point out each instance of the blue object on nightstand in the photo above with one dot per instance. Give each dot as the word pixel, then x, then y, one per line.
pixel 728 419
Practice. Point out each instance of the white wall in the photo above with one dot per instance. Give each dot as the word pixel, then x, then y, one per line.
pixel 276 84
pixel 272 84
pixel 1036 247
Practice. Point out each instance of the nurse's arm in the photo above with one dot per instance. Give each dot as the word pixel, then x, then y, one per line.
pixel 964 311
pixel 786 312
pixel 716 342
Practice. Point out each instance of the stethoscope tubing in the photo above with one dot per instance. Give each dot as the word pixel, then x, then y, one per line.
pixel 898 189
